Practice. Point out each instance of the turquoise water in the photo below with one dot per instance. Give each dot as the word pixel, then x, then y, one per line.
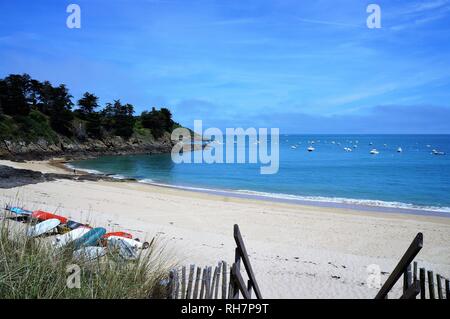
pixel 412 179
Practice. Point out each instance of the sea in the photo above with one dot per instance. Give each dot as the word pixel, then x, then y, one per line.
pixel 340 172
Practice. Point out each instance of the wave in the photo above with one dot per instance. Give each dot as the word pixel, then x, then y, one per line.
pixel 308 199
pixel 348 202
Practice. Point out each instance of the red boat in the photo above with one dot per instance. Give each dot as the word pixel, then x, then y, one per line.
pixel 119 234
pixel 41 215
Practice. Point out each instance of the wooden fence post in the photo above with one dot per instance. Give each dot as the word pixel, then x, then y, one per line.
pixel 415 271
pixel 408 257
pixel 447 288
pixel 439 286
pixel 183 282
pixel 197 281
pixel 224 280
pixel 431 284
pixel 191 279
pixel 422 284
pixel 407 278
pixel 216 288
pixel 203 283
pixel 171 284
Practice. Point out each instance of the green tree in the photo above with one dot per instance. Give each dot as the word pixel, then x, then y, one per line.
pixel 118 118
pixel 15 93
pixel 87 104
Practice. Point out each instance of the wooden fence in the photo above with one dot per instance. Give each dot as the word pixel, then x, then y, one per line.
pixel 224 282
pixel 414 283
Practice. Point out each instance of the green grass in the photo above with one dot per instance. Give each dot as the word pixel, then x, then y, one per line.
pixel 30 268
pixel 28 128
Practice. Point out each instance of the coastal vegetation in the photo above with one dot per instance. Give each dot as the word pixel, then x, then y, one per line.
pixel 31 110
pixel 30 268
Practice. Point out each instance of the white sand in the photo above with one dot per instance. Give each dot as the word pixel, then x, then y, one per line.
pixel 295 250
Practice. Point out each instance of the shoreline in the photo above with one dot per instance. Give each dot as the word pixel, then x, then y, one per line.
pixel 343 203
pixel 295 250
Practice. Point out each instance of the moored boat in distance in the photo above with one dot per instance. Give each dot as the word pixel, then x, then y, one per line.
pixel 399 150
pixel 374 151
pixel 436 152
pixel 311 149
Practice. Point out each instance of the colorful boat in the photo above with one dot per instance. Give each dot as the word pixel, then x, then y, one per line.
pixel 118 234
pixel 18 210
pixel 41 215
pixel 91 238
pixel 43 227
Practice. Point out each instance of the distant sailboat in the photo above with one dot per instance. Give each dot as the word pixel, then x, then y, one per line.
pixel 399 150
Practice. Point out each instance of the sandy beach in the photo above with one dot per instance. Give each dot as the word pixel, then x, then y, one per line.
pixel 297 251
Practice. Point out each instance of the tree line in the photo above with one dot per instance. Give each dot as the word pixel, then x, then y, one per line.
pixel 22 97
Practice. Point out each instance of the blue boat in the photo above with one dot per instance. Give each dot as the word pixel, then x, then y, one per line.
pixel 18 210
pixel 91 238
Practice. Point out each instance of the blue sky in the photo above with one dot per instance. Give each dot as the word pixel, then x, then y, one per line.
pixel 302 66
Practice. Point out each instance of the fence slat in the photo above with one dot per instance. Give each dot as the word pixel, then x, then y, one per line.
pixel 216 288
pixel 422 284
pixel 203 283
pixel 213 283
pixel 230 286
pixel 447 288
pixel 415 271
pixel 177 285
pixel 246 261
pixel 239 281
pixel 412 291
pixel 439 286
pixel 406 278
pixel 224 280
pixel 183 282
pixel 408 257
pixel 171 284
pixel 431 284
pixel 237 262
pixel 208 283
pixel 191 279
pixel 197 281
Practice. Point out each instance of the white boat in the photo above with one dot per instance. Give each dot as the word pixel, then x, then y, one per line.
pixel 310 149
pixel 399 150
pixel 436 152
pixel 293 147
pixel 348 149
pixel 374 151
pixel 370 143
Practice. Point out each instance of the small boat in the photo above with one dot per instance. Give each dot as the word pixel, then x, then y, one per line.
pixel 18 211
pixel 293 147
pixel 370 143
pixel 63 240
pixel 435 152
pixel 118 234
pixel 91 238
pixel 42 228
pixel 347 149
pixel 311 149
pixel 41 215
pixel 374 151
pixel 399 150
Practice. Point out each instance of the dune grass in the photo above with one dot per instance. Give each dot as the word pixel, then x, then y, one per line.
pixel 31 268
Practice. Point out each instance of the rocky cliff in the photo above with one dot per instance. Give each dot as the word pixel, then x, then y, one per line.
pixel 70 148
